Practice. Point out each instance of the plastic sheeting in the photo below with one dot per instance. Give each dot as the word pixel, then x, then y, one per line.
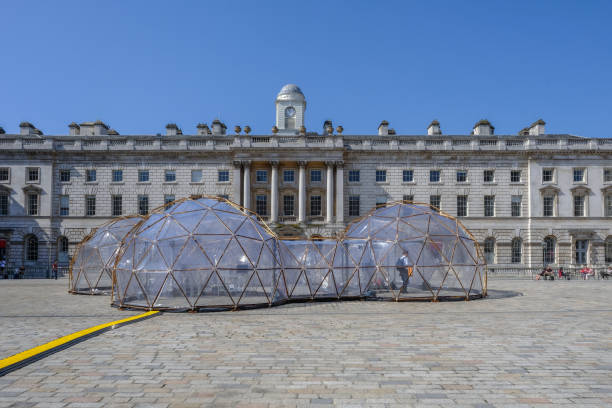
pixel 92 264
pixel 209 253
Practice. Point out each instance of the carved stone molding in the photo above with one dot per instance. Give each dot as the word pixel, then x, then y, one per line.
pixel 274 163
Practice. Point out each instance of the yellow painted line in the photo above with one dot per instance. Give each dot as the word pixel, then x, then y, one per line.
pixel 47 347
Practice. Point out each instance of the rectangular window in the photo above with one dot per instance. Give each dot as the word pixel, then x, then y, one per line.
pixel 143 176
pixel 461 176
pixel 117 176
pixel 170 176
pixel 462 206
pixel 315 205
pixel 315 176
pixel 548 175
pixel 64 206
pixel 4 204
pixel 354 176
pixel 90 175
pixel 168 198
pixel 515 204
pixel 90 205
pixel 116 205
pixel 607 176
pixel 223 176
pixel 609 205
pixel 261 205
pixel 261 176
pixel 548 206
pixel 288 176
pixel 4 174
pixel 143 204
pixel 196 176
pixel 381 200
pixel 381 176
pixel 579 175
pixel 489 206
pixel 434 176
pixel 580 251
pixel 578 206
pixel 408 176
pixel 32 204
pixel 353 206
pixel 489 176
pixel 64 176
pixel 408 198
pixel 288 202
pixel 434 202
pixel 33 174
pixel 515 176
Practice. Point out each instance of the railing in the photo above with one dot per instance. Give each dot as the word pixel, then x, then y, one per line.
pixel 288 218
pixel 28 272
pixel 570 272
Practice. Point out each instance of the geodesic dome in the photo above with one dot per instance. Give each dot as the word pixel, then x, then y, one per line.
pixel 199 253
pixel 409 251
pixel 91 267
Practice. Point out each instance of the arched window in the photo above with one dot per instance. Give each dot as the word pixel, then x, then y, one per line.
pixel 62 249
pixel 548 249
pixel 517 250
pixel 489 250
pixel 31 248
pixel 290 118
pixel 609 249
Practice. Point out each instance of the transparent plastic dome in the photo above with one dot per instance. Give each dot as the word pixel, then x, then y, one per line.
pixel 409 251
pixel 199 253
pixel 91 267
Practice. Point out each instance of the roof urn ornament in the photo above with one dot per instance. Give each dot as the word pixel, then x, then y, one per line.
pixel 339 129
pixel 237 129
pixel 274 129
pixel 247 129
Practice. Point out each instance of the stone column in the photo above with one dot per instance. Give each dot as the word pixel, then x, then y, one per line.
pixel 302 191
pixel 236 181
pixel 329 193
pixel 247 184
pixel 274 191
pixel 339 192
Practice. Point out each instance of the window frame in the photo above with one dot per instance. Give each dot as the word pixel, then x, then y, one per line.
pixel 489 211
pixel 64 211
pixel 142 174
pixel 5 202
pixel 435 171
pixel 170 176
pixel 486 173
pixel 435 198
pixel 63 173
pixel 223 176
pixel 31 248
pixel 90 210
pixel 314 181
pixel 583 171
pixel 354 205
pixel 582 205
pixel 116 204
pixel 288 203
pixel 512 205
pixel 381 175
pixel 263 173
pixel 33 206
pixel 8 175
pixel 516 251
pixel 552 175
pixel 458 178
pixel 116 172
pixel 28 174
pixel 316 205
pixel 408 176
pixel 489 246
pixel 286 173
pixel 167 198
pixel 196 171
pixel 91 175
pixel 513 173
pixel 258 203
pixel 462 206
pixel 354 176
pixel 549 256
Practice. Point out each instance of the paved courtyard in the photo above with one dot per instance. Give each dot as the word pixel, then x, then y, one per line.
pixel 550 346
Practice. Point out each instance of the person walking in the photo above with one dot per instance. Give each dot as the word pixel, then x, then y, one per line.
pixel 3 268
pixel 405 270
pixel 54 269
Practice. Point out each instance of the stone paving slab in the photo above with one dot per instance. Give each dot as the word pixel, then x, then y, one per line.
pixel 36 311
pixel 552 346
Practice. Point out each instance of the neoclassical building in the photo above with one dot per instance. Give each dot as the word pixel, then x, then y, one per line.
pixel 531 198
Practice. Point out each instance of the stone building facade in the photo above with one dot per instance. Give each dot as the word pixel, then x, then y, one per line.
pixel 530 199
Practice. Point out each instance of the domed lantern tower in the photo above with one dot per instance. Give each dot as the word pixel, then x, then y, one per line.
pixel 290 107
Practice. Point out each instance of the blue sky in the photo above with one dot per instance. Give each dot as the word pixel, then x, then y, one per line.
pixel 138 65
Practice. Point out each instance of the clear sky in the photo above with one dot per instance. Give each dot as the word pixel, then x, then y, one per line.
pixel 138 65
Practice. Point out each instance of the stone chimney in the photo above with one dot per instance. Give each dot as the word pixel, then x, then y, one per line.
pixel 383 128
pixel 100 128
pixel 218 127
pixel 434 128
pixel 26 128
pixel 483 128
pixel 74 129
pixel 537 128
pixel 172 129
pixel 203 129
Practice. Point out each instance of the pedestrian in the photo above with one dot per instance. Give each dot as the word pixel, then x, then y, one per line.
pixel 404 270
pixel 3 268
pixel 21 272
pixel 54 268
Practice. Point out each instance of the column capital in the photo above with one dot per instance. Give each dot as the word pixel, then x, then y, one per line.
pixel 329 163
pixel 237 163
pixel 340 163
pixel 246 163
pixel 273 163
pixel 302 163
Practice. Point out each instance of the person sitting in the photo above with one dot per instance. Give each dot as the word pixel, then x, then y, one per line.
pixel 607 273
pixel 547 273
pixel 586 272
pixel 563 274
